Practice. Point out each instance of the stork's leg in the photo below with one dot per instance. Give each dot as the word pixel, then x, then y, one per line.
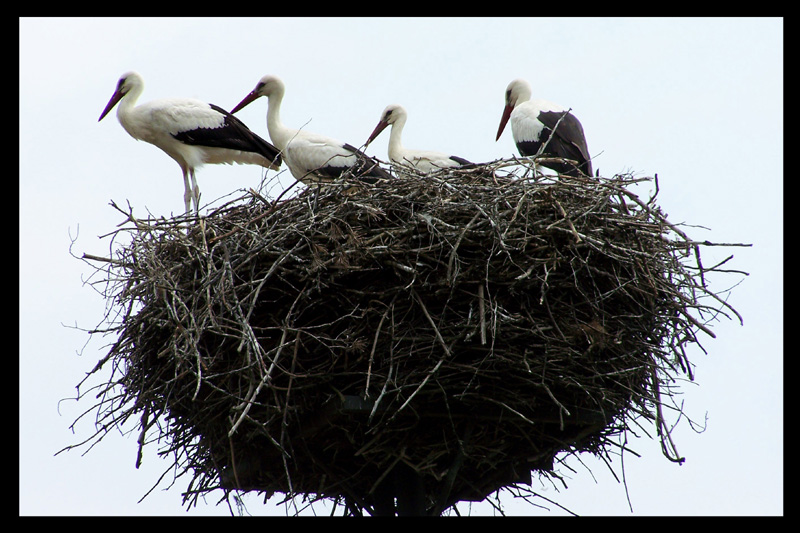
pixel 187 191
pixel 195 194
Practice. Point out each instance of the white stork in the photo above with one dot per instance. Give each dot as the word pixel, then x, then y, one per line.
pixel 190 131
pixel 532 125
pixel 425 161
pixel 311 158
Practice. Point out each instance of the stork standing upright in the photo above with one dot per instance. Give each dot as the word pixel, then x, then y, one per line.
pixel 311 158
pixel 190 131
pixel 425 161
pixel 533 123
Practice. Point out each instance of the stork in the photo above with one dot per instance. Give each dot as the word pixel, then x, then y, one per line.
pixel 190 131
pixel 533 123
pixel 425 161
pixel 311 158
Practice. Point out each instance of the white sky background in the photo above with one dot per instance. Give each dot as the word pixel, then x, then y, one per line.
pixel 698 101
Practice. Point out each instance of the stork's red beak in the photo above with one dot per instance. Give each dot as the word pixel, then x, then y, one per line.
pixel 247 99
pixel 506 114
pixel 378 129
pixel 111 103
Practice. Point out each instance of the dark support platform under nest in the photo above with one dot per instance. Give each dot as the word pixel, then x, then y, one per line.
pixel 431 340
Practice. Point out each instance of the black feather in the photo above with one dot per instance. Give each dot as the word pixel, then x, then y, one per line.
pixel 234 135
pixel 568 142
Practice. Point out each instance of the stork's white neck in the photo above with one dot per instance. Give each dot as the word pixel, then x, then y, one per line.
pixel 280 134
pixel 125 109
pixel 395 139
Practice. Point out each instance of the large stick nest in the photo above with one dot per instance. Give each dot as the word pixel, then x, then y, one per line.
pixel 467 326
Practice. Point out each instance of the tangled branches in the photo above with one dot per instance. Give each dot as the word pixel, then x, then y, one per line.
pixel 464 328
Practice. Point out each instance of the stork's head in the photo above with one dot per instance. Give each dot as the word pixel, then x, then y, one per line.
pixel 126 83
pixel 518 91
pixel 267 86
pixel 393 113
